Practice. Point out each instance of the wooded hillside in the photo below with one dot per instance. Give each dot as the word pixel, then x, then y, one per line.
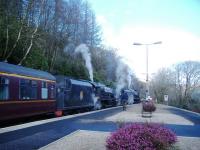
pixel 43 34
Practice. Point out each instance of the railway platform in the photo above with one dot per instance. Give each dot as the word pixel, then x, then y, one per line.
pixel 90 130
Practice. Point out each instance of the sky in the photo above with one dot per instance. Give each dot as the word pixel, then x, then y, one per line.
pixel 174 22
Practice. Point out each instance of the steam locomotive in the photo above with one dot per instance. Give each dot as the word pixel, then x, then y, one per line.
pixel 104 95
pixel 133 96
pixel 27 92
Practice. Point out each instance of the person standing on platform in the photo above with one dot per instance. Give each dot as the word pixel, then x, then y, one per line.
pixel 124 99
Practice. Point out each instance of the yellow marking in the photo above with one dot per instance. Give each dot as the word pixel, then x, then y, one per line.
pixel 25 101
pixel 26 77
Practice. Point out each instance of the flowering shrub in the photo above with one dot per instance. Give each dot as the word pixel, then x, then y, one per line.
pixel 137 136
pixel 148 106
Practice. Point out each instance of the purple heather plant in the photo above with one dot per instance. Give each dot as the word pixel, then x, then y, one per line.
pixel 138 136
pixel 148 106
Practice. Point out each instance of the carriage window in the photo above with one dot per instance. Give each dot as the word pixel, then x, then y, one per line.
pixel 28 89
pixel 4 88
pixel 44 90
pixel 34 90
pixel 25 89
pixel 52 92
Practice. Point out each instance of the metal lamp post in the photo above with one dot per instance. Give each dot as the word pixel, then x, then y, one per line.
pixel 147 63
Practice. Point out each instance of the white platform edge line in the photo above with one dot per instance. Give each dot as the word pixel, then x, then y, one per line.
pixel 35 123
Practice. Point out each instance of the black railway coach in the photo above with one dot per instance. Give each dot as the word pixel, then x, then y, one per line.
pixel 25 91
pixel 73 94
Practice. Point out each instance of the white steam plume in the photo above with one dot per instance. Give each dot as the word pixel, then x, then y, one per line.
pixel 84 50
pixel 123 75
pixel 129 77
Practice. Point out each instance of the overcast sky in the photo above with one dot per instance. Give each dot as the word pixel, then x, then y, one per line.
pixel 174 22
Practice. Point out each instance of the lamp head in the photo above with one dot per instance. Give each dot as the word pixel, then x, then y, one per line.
pixel 159 42
pixel 137 44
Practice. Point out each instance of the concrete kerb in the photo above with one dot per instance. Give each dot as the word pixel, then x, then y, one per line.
pixel 35 123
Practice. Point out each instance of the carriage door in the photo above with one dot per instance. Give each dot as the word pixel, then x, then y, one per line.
pixel 44 91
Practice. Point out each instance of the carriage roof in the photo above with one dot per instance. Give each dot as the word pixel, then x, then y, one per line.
pixel 61 81
pixel 24 71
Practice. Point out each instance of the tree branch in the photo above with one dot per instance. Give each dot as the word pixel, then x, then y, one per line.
pixel 14 46
pixel 30 46
pixel 7 38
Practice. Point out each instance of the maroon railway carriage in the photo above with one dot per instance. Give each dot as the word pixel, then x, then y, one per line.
pixel 25 92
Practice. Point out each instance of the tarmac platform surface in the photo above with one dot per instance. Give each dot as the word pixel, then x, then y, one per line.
pixel 90 130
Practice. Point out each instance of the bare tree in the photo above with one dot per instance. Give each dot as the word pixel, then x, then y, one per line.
pixel 188 79
pixel 179 82
pixel 36 18
pixel 16 5
pixel 45 27
pixel 162 83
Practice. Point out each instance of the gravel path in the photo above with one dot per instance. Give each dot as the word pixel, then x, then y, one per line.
pixel 80 140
